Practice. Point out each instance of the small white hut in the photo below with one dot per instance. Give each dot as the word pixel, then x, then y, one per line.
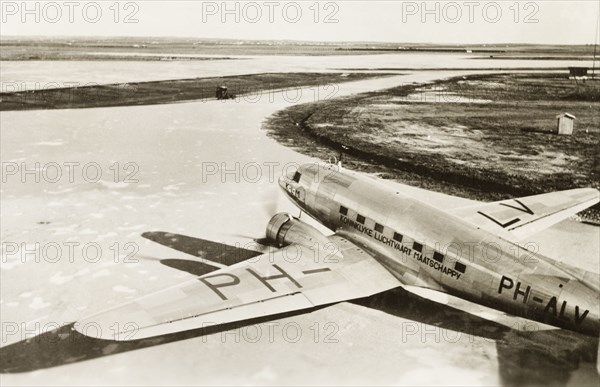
pixel 564 124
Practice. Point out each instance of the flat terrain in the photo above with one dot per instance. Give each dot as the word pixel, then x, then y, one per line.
pixel 70 48
pixel 479 136
pixel 161 92
pixel 393 338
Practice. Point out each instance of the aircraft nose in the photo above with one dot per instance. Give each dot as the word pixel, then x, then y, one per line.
pixel 282 182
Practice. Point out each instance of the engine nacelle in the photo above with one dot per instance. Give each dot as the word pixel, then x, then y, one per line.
pixel 283 230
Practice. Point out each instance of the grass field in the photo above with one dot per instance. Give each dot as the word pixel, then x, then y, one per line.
pixel 483 137
pixel 160 92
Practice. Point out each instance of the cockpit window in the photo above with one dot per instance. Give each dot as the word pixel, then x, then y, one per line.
pixel 289 173
pixel 297 176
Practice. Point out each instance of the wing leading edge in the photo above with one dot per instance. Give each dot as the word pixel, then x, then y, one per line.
pixel 290 279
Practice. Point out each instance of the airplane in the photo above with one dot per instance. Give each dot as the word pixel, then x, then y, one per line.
pixel 384 237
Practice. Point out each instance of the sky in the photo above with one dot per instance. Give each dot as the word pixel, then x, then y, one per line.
pixel 549 22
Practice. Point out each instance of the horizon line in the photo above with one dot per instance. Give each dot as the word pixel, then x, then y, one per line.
pixel 325 42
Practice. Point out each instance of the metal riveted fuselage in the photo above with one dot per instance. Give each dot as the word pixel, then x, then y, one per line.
pixel 424 246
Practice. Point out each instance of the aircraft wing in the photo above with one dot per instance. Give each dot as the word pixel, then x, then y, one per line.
pixel 285 280
pixel 516 219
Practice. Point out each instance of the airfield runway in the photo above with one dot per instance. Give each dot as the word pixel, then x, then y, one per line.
pixel 166 157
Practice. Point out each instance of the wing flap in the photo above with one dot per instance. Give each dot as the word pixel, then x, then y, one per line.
pixel 267 307
pixel 270 284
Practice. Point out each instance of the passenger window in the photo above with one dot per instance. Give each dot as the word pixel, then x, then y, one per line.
pixel 397 237
pixel 378 228
pixel 343 210
pixel 360 219
pixel 418 247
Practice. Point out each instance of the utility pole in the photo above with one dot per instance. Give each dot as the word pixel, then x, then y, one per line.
pixel 597 33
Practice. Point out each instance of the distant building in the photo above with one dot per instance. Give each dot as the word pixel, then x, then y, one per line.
pixel 564 124
pixel 578 72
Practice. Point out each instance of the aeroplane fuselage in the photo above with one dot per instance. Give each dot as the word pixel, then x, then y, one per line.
pixel 424 246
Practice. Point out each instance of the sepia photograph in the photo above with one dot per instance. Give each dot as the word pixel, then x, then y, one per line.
pixel 300 193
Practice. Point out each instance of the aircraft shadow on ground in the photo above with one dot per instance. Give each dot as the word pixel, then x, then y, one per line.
pixel 542 357
pixel 202 248
pixel 525 358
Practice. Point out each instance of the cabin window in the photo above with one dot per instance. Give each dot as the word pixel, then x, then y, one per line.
pixel 397 237
pixel 460 267
pixel 343 211
pixel 297 176
pixel 360 219
pixel 378 228
pixel 418 247
pixel 438 257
